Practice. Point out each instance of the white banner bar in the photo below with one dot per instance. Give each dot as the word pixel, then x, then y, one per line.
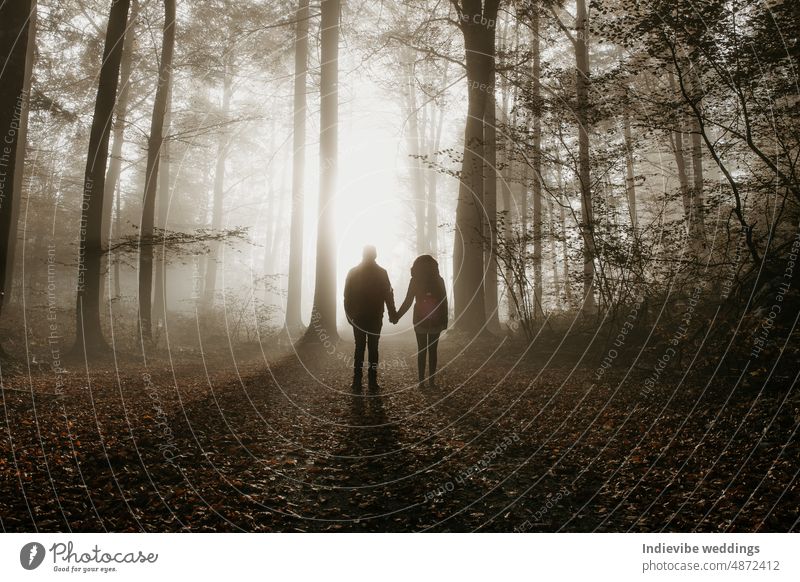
pixel 399 557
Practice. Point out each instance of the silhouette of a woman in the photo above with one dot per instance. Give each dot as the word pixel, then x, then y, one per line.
pixel 428 293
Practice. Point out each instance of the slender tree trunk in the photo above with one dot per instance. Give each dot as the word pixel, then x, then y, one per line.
pixel 538 240
pixel 468 289
pixel 693 85
pixel 490 201
pixel 562 221
pixel 524 204
pixel 630 182
pixel 294 296
pixel 200 265
pixel 154 145
pixel 414 146
pixel 676 141
pixel 323 316
pixel 15 34
pixel 117 232
pixel 270 218
pixel 210 286
pixel 160 294
pixel 698 183
pixel 508 215
pixel 268 239
pixel 584 172
pixel 90 341
pixel 553 249
pixel 536 91
pixel 677 146
pixel 22 106
pixel 509 165
pixel 506 194
pixel 432 215
pixel 698 212
pixel 690 193
pixel 524 228
pixel 277 221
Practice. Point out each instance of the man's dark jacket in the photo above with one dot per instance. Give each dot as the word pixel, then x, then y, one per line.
pixel 366 291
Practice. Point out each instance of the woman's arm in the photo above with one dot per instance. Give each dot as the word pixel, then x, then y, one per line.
pixel 444 301
pixel 407 301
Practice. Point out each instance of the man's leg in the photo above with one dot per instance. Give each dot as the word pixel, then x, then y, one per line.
pixel 372 348
pixel 358 358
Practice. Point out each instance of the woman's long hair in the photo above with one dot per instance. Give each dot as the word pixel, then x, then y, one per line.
pixel 425 271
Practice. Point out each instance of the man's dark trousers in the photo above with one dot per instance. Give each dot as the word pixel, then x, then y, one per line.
pixel 366 335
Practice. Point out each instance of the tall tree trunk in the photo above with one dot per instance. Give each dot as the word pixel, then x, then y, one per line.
pixel 22 106
pixel 160 286
pixel 562 221
pixel 118 131
pixel 210 285
pixel 490 201
pixel 154 145
pixel 90 341
pixel 536 90
pixel 269 250
pixel 117 231
pixel 323 316
pixel 697 191
pixel 584 168
pixel 468 290
pixel 698 213
pixel 690 193
pixel 553 249
pixel 432 215
pixel 506 194
pixel 630 183
pixel 294 296
pixel 414 146
pixel 113 191
pixel 270 215
pixel 677 146
pixel 277 221
pixel 524 204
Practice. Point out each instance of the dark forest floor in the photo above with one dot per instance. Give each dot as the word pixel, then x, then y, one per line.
pixel 509 441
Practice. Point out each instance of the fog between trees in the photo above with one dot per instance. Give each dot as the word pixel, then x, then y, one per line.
pixel 225 162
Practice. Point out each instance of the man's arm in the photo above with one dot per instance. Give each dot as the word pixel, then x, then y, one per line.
pixel 390 300
pixel 348 298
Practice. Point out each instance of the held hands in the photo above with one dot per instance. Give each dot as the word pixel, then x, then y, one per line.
pixel 393 318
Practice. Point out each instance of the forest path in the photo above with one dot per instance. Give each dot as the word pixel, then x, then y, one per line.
pixel 508 440
pixel 404 458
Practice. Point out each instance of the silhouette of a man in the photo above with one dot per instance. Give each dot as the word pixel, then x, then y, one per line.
pixel 366 291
